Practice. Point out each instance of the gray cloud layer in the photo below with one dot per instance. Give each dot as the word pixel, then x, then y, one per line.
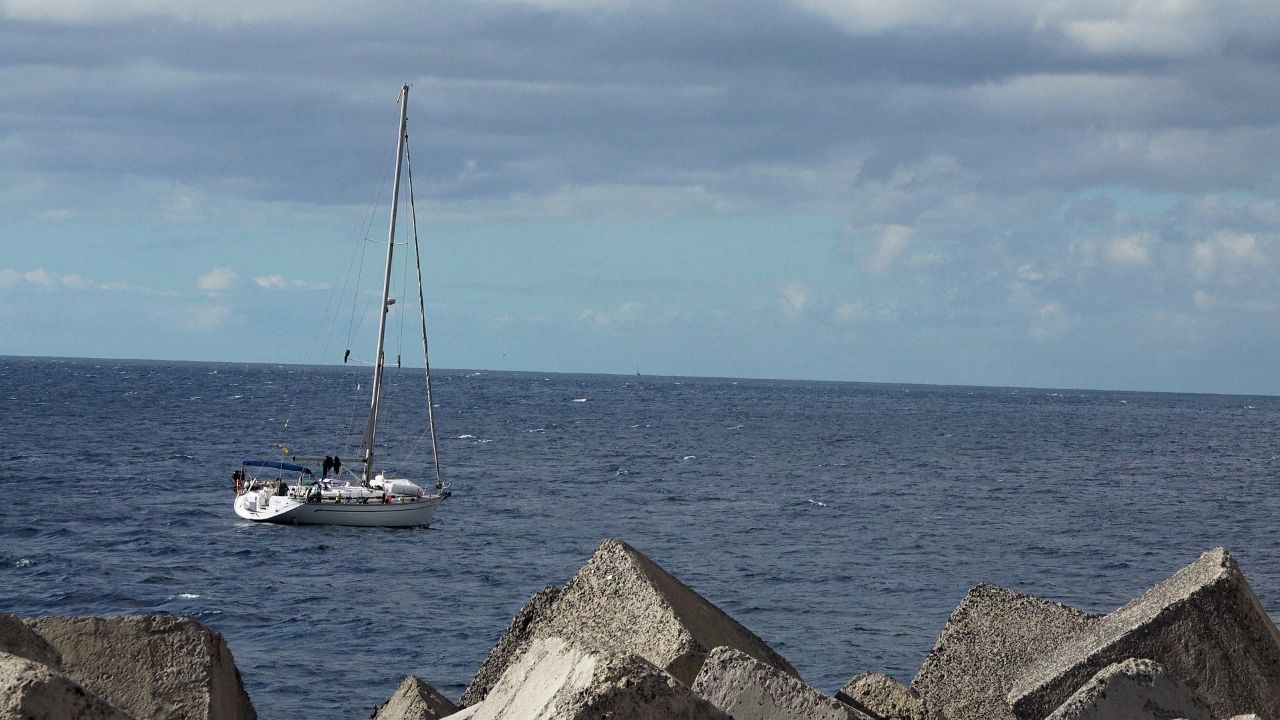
pixel 1080 173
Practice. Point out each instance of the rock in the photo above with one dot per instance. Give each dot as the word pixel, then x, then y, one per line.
pixel 151 666
pixel 1203 624
pixel 510 646
pixel 33 691
pixel 415 700
pixel 748 689
pixel 622 600
pixel 18 639
pixel 989 639
pixel 880 695
pixel 1132 690
pixel 560 680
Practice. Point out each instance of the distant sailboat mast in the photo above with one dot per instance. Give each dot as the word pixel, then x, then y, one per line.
pixel 370 428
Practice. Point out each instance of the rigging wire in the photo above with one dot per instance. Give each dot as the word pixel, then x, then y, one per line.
pixel 422 306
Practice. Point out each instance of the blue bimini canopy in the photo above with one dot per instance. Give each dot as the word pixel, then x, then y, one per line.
pixel 277 464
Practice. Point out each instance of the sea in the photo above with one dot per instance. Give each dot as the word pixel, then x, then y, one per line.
pixel 841 522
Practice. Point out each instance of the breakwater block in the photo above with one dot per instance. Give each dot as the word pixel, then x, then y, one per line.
pixel 559 679
pixel 1204 625
pixel 1132 690
pixel 880 695
pixel 415 700
pixel 151 666
pixel 748 689
pixel 33 690
pixel 510 645
pixel 18 639
pixel 991 636
pixel 621 600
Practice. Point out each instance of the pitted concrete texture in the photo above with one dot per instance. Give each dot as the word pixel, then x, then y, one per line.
pixel 33 691
pixel 510 646
pixel 622 600
pixel 1132 690
pixel 415 700
pixel 559 680
pixel 748 689
pixel 989 639
pixel 881 695
pixel 18 639
pixel 1203 624
pixel 154 667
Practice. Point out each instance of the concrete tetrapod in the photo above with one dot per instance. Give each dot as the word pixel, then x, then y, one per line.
pixel 155 667
pixel 748 689
pixel 989 639
pixel 514 641
pixel 559 680
pixel 18 639
pixel 624 601
pixel 415 700
pixel 33 691
pixel 1204 625
pixel 881 695
pixel 1132 690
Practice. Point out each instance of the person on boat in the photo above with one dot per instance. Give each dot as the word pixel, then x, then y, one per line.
pixel 282 488
pixel 328 465
pixel 337 465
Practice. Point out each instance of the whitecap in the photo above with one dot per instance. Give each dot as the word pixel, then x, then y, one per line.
pixel 465 437
pixel 579 400
pixel 815 502
pixel 690 457
pixel 25 562
pixel 734 427
pixel 188 596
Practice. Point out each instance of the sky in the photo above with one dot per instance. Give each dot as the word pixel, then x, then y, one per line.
pixel 993 192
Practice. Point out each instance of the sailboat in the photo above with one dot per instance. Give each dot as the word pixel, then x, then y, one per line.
pixel 286 490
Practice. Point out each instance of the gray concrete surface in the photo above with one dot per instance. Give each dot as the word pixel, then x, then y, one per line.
pixel 748 689
pixel 991 636
pixel 18 639
pixel 1204 625
pixel 1135 689
pixel 513 642
pixel 33 691
pixel 415 699
pixel 560 680
pixel 154 667
pixel 880 695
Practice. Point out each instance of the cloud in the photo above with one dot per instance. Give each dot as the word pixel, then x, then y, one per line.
pixel 888 246
pixel 217 279
pixel 204 319
pixel 45 280
pixel 795 298
pixel 279 282
pixel 1131 250
pixel 608 318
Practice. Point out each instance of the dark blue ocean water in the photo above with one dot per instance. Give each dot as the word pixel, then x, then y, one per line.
pixel 841 522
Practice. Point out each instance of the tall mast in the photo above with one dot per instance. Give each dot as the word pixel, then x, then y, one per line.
pixel 369 429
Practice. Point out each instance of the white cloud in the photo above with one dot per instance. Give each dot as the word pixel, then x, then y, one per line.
pixel 207 318
pixel 1050 323
pixel 890 244
pixel 217 279
pixel 795 298
pixel 42 279
pixel 623 313
pixel 851 313
pixel 279 282
pixel 1230 257
pixel 1131 250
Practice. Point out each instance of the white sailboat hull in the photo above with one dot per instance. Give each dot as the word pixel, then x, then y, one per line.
pixel 411 512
